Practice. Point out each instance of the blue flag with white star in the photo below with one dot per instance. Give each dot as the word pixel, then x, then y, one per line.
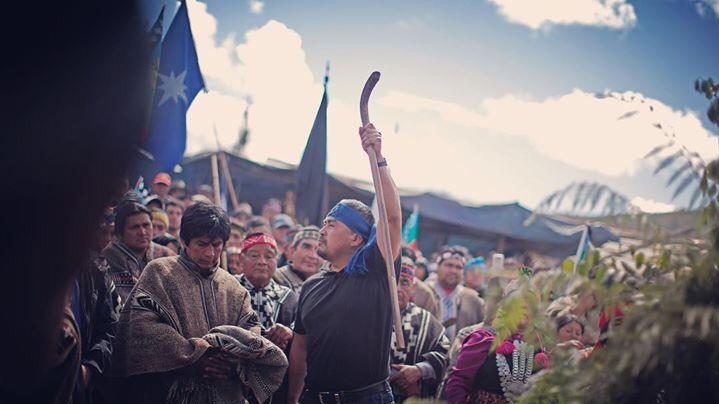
pixel 178 82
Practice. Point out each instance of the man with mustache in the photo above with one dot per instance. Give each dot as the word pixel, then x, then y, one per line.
pixel 459 306
pixel 341 349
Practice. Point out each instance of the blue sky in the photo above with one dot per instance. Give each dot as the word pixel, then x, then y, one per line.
pixel 493 98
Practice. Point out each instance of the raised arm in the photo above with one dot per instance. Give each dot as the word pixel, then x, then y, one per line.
pixel 371 137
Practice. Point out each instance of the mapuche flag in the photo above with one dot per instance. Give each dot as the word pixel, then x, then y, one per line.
pixel 311 192
pixel 411 229
pixel 178 82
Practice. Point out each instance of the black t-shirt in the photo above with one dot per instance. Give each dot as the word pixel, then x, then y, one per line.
pixel 347 320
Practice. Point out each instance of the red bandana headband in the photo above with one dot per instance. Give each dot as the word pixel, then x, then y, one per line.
pixel 258 239
pixel 406 270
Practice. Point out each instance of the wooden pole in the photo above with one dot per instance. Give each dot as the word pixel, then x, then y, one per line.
pixel 216 194
pixel 228 180
pixel 379 197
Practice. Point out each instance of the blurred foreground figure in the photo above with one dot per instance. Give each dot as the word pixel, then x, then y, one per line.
pixel 76 96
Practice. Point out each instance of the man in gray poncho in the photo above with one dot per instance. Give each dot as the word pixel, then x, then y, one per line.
pixel 187 333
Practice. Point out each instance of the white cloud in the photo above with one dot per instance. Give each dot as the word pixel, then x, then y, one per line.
pixel 578 128
pixel 535 14
pixel 269 67
pixel 703 7
pixel 652 206
pixel 256 7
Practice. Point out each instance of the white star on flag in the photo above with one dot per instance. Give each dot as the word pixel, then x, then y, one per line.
pixel 172 87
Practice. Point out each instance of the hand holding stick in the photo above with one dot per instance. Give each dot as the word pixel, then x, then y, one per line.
pixel 379 195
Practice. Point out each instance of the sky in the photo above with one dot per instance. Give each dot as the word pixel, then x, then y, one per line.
pixel 486 101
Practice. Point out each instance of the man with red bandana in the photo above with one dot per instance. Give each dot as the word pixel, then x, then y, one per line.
pixel 274 304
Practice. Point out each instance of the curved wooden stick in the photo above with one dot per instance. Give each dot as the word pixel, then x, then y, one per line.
pixel 379 195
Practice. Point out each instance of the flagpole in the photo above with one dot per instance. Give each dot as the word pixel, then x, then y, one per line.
pixel 379 197
pixel 216 194
pixel 578 254
pixel 228 180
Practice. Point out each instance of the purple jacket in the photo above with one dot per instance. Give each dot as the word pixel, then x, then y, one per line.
pixel 472 356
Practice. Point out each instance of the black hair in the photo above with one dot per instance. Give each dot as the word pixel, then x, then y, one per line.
pixel 408 252
pixel 128 206
pixel 257 221
pixel 165 240
pixel 568 318
pixel 171 201
pixel 204 219
pixel 361 208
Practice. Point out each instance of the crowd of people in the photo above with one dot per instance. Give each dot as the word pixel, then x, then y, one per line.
pixel 184 303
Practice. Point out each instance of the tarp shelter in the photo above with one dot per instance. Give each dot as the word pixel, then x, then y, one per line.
pixel 442 221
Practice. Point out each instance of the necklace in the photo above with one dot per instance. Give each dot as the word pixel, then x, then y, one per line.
pixel 515 381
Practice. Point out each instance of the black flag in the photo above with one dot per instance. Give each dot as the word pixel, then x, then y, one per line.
pixel 311 205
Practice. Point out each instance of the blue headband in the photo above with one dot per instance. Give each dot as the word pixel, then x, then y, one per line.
pixel 355 222
pixel 476 262
pixel 352 219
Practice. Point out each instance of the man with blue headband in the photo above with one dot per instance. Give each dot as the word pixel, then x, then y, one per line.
pixel 341 349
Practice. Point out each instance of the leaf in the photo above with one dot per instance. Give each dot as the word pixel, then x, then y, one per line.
pixel 695 197
pixel 682 185
pixel 666 162
pixel 639 259
pixel 589 194
pixel 597 195
pixel 581 190
pixel 659 148
pixel 627 115
pixel 677 173
pixel 568 266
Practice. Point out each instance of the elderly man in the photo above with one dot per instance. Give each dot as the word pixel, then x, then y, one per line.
pixel 418 369
pixel 344 322
pixel 459 306
pixel 133 249
pixel 275 305
pixel 303 259
pixel 188 333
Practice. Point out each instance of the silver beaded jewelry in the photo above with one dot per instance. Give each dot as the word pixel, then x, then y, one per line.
pixel 515 382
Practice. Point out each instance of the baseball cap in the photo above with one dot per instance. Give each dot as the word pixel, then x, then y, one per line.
pixel 162 178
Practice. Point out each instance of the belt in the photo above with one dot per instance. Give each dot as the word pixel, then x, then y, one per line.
pixel 348 396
